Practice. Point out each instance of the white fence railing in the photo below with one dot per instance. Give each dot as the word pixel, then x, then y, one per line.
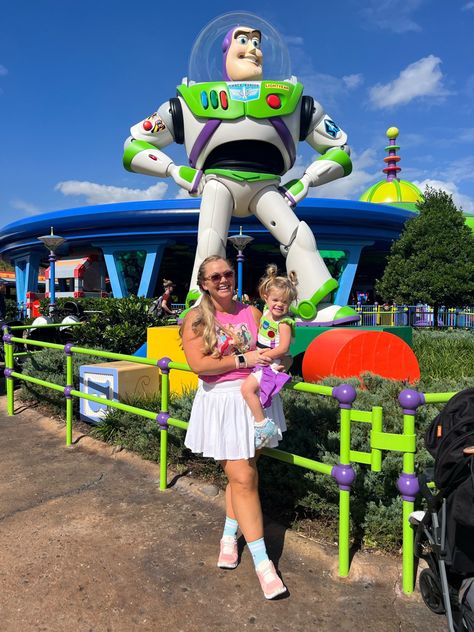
pixel 414 316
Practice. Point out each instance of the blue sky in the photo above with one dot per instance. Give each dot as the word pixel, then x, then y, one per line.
pixel 75 75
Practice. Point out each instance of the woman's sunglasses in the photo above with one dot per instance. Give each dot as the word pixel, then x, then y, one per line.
pixel 216 277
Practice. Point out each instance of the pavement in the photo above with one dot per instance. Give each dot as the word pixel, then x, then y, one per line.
pixel 90 544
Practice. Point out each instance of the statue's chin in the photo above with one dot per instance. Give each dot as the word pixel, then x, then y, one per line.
pixel 249 73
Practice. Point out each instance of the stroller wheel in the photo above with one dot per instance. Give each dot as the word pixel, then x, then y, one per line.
pixel 431 591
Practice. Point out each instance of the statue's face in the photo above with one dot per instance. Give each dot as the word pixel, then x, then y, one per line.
pixel 244 57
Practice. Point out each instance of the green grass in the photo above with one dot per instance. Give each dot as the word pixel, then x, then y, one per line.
pixel 444 355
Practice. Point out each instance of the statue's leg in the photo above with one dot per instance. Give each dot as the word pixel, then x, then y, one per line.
pixel 214 220
pixel 298 245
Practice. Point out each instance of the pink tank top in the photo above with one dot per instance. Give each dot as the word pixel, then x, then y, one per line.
pixel 236 333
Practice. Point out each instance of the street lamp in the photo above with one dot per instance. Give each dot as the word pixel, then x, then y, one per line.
pixel 239 242
pixel 52 243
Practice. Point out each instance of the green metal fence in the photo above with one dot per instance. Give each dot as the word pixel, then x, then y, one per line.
pixel 342 472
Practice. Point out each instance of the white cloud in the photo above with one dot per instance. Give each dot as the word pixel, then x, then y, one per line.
pixel 105 194
pixel 423 78
pixel 182 195
pixel 353 81
pixel 26 207
pixel 392 15
pixel 459 199
pixel 3 71
pixel 468 7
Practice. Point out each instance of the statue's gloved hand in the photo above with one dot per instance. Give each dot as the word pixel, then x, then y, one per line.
pixel 295 190
pixel 187 178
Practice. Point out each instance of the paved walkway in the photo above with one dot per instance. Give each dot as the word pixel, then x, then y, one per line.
pixel 90 544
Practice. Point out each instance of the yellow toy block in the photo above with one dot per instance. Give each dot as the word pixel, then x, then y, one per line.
pixel 165 342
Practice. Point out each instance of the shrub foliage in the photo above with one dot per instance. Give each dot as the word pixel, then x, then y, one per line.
pixel 291 493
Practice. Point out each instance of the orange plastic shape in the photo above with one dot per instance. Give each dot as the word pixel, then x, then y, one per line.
pixel 351 352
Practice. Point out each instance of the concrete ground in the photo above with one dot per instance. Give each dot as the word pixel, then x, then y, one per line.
pixel 90 544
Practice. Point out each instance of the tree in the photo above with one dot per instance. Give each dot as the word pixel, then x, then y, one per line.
pixel 433 260
pixel 4 266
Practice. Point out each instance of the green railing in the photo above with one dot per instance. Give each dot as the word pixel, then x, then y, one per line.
pixel 342 472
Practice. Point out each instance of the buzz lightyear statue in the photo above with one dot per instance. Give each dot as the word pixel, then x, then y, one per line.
pixel 240 136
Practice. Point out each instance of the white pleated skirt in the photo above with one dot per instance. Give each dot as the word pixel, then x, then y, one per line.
pixel 221 425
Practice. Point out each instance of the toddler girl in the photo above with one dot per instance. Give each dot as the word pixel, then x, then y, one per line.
pixel 275 333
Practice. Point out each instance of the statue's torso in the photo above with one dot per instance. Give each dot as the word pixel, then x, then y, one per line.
pixel 245 125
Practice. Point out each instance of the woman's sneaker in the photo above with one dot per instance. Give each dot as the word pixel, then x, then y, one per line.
pixel 229 555
pixel 265 431
pixel 271 584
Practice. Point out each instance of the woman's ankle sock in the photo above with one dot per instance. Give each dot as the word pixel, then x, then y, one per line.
pixel 230 527
pixel 258 550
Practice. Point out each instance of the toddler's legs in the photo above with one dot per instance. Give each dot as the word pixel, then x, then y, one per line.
pixel 265 428
pixel 250 392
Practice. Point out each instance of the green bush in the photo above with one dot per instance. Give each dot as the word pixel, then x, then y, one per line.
pixel 50 365
pixel 291 493
pixel 11 312
pixel 116 324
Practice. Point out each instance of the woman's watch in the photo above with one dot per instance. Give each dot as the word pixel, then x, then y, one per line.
pixel 242 361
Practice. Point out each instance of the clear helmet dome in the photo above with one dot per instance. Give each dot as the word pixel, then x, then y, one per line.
pixel 207 59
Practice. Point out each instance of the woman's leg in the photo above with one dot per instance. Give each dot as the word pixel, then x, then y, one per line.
pixel 242 498
pixel 243 482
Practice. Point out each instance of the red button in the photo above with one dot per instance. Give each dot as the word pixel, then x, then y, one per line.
pixel 274 101
pixel 223 97
pixel 147 125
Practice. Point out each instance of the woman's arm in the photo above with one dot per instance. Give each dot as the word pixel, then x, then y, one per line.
pixel 207 365
pixel 284 330
pixel 257 314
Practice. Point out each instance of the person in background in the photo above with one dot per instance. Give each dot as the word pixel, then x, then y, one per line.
pixel 168 287
pixel 219 339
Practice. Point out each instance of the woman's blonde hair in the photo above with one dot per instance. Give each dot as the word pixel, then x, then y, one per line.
pixel 167 283
pixel 271 281
pixel 204 323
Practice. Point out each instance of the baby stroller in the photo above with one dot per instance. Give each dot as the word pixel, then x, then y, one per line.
pixel 445 532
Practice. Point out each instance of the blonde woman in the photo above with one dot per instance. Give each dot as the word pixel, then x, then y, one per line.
pixel 219 341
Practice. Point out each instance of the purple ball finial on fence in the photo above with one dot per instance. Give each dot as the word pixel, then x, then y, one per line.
pixel 7 372
pixel 410 400
pixel 344 476
pixel 7 338
pixel 67 392
pixel 345 395
pixel 163 364
pixel 162 420
pixel 67 348
pixel 408 486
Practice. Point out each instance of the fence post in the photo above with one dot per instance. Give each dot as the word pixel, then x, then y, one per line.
pixel 67 392
pixel 344 473
pixel 408 487
pixel 162 420
pixel 9 366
